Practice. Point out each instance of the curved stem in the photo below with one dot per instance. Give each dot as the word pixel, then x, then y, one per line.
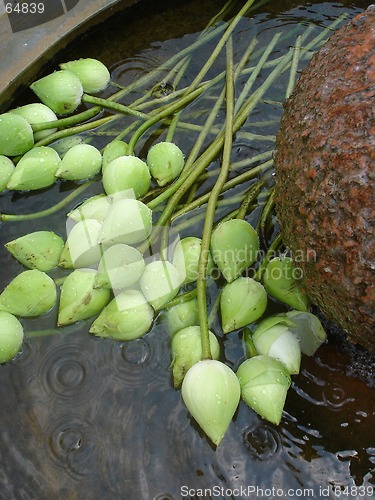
pixel 47 211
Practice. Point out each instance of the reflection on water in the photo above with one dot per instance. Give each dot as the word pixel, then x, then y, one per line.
pixel 87 418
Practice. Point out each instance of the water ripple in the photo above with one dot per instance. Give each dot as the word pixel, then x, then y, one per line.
pixel 262 441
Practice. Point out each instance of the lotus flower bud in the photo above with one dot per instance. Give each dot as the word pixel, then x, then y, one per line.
pixel 79 299
pixel 65 261
pixel 61 91
pixel 92 73
pixel 165 161
pixel 35 170
pixel 278 342
pixel 83 243
pixel 39 250
pixel 6 170
pixel 16 135
pixel 37 113
pixel 264 385
pixel 186 347
pixel 11 336
pixel 31 293
pixel 234 247
pixel 120 266
pixel 82 161
pixel 279 281
pixel 309 331
pixel 95 207
pixel 185 259
pixel 182 315
pixel 113 150
pixel 160 283
pixel 242 302
pixel 211 392
pixel 128 221
pixel 128 316
pixel 127 172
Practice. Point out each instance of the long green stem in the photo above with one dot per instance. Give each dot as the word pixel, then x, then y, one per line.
pixel 48 211
pixel 211 205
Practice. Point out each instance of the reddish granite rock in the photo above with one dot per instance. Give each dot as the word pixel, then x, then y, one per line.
pixel 325 171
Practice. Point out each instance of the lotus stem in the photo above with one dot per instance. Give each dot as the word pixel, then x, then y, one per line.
pixel 294 67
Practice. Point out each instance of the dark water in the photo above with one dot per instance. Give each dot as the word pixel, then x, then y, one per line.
pixel 86 418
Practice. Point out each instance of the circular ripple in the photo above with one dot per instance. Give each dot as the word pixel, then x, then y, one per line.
pixel 335 397
pixel 73 446
pixel 141 361
pixel 69 371
pixel 262 441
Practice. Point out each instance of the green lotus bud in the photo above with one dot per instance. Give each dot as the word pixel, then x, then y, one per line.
pixel 128 221
pixel 61 91
pixel 279 280
pixel 16 135
pixel 113 150
pixel 264 385
pixel 11 336
pixel 95 207
pixel 6 170
pixel 120 266
pixel 79 299
pixel 279 342
pixel 37 113
pixel 127 173
pixel 31 293
pixel 83 243
pixel 160 283
pixel 82 161
pixel 242 302
pixel 39 250
pixel 165 161
pixel 128 316
pixel 309 331
pixel 92 73
pixel 182 315
pixel 65 258
pixel 211 392
pixel 186 348
pixel 234 247
pixel 35 170
pixel 185 259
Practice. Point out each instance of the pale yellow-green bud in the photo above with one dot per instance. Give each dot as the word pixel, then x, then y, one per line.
pixel 37 113
pixel 95 207
pixel 308 329
pixel 92 73
pixel 39 250
pixel 31 293
pixel 264 385
pixel 211 392
pixel 242 302
pixel 128 316
pixel 61 91
pixel 120 267
pixel 113 150
pixel 165 161
pixel 83 245
pixel 182 315
pixel 16 135
pixel 79 299
pixel 127 173
pixel 160 283
pixel 35 170
pixel 234 247
pixel 186 350
pixel 6 170
pixel 281 280
pixel 11 336
pixel 80 162
pixel 185 258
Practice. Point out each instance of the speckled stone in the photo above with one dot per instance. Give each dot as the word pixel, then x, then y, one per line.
pixel 325 170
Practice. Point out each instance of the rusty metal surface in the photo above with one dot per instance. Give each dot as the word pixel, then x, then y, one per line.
pixel 24 52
